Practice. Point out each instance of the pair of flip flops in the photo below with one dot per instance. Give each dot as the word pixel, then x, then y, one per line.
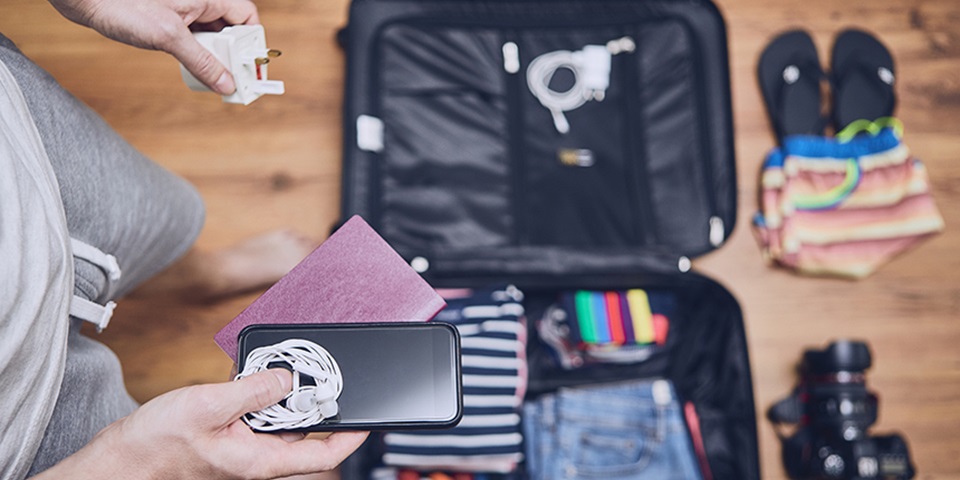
pixel 861 79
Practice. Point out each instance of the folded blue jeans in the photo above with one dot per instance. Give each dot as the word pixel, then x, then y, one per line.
pixel 632 430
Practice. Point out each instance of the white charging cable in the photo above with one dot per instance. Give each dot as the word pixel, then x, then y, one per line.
pixel 590 67
pixel 305 405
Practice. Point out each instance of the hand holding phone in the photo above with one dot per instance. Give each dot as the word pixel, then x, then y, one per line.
pixel 391 376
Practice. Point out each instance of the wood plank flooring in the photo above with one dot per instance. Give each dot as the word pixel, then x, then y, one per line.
pixel 276 163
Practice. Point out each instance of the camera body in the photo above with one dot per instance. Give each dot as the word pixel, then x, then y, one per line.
pixel 833 411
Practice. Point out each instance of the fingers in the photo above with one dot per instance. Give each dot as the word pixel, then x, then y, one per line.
pixel 201 63
pixel 231 12
pixel 291 437
pixel 320 455
pixel 249 394
pixel 241 12
pixel 198 60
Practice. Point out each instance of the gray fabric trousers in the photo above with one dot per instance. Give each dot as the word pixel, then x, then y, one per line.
pixel 120 202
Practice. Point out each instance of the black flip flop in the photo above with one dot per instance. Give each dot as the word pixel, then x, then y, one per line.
pixel 790 74
pixel 862 75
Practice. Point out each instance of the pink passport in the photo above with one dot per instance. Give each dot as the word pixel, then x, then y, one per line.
pixel 355 276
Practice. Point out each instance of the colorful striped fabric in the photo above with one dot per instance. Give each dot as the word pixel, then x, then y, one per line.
pixel 493 348
pixel 617 318
pixel 844 207
pixel 393 473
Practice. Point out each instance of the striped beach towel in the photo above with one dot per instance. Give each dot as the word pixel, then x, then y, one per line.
pixel 493 347
pixel 844 206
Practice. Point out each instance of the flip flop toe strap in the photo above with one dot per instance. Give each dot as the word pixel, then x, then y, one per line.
pixel 802 70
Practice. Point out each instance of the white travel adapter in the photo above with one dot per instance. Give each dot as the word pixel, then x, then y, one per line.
pixel 243 50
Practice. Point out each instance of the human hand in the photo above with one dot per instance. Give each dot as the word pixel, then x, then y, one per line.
pixel 165 25
pixel 196 432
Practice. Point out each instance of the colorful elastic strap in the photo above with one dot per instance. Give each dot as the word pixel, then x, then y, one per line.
pixel 615 317
pixel 600 317
pixel 873 128
pixel 585 320
pixel 831 198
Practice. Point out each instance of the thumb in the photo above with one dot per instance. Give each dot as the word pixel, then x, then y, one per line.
pixel 256 392
pixel 201 63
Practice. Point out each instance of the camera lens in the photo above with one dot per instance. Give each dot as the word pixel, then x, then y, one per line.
pixel 839 356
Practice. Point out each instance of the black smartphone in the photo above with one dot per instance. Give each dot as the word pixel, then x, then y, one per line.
pixel 395 375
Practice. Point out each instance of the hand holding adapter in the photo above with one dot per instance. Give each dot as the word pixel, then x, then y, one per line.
pixel 166 25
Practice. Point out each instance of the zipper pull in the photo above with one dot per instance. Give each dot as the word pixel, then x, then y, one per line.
pixel 511 57
pixel 716 231
pixel 369 133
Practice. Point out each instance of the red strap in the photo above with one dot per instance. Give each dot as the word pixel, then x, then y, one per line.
pixel 693 421
pixel 615 318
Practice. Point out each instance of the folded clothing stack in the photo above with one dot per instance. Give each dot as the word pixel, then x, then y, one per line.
pixel 844 206
pixel 493 348
pixel 630 430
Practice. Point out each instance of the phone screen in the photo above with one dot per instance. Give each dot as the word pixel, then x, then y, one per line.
pixel 395 375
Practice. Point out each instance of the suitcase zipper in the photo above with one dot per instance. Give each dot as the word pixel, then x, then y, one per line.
pixel 716 229
pixel 646 230
pixel 512 66
pixel 375 179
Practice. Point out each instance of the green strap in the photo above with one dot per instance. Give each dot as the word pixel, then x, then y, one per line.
pixel 857 127
pixel 835 195
pixel 588 331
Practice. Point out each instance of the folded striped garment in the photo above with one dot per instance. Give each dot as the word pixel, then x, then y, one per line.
pixel 493 347
pixel 844 206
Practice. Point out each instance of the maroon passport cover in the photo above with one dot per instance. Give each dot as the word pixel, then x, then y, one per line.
pixel 355 276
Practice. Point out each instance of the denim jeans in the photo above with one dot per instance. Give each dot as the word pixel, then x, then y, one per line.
pixel 632 430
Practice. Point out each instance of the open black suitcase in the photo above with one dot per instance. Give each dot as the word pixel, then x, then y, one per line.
pixel 454 160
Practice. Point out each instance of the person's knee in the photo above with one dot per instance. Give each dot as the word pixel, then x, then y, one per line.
pixel 196 211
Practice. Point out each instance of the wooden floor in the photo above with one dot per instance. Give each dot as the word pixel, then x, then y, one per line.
pixel 276 163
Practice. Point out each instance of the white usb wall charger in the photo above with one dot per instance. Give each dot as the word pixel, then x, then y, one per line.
pixel 243 50
pixel 306 404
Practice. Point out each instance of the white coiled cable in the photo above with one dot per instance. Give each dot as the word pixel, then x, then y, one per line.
pixel 305 405
pixel 590 67
pixel 540 73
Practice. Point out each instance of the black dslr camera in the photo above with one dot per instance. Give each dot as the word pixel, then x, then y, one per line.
pixel 832 410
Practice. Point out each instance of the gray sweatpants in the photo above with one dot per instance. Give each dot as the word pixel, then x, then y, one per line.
pixel 120 202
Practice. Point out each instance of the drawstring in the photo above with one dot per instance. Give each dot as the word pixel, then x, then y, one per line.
pixel 87 310
pixel 94 313
pixel 106 262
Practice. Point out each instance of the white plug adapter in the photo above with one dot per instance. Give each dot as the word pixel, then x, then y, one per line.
pixel 594 70
pixel 243 50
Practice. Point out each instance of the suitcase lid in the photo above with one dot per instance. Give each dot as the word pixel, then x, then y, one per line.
pixel 458 163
